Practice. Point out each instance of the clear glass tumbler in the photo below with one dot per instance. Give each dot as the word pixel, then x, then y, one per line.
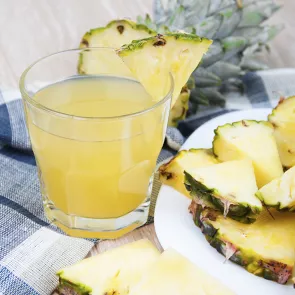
pixel 96 136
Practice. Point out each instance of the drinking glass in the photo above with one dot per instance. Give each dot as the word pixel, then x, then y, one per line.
pixel 95 172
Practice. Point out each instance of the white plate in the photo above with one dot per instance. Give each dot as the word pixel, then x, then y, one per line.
pixel 175 227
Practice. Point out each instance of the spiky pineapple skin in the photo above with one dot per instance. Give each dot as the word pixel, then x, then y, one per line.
pixel 119 25
pixel 268 269
pixel 66 288
pixel 169 176
pixel 159 40
pixel 239 212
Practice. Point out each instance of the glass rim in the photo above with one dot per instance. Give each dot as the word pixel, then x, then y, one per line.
pixel 28 98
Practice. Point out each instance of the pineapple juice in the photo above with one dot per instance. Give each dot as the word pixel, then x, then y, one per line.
pixel 92 165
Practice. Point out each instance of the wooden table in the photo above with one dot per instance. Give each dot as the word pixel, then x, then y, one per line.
pixel 31 29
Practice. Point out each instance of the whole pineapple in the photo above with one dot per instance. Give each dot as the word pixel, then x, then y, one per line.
pixel 238 34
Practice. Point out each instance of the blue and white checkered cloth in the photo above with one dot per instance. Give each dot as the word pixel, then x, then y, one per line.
pixel 31 249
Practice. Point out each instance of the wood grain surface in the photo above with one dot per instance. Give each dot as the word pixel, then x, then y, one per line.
pixel 31 29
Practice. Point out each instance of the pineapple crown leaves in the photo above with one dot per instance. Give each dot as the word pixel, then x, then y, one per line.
pixel 236 26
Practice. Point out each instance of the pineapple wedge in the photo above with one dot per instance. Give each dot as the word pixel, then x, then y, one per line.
pixel 283 120
pixel 114 35
pixel 112 272
pixel 171 173
pixel 264 248
pixel 229 187
pixel 253 140
pixel 280 193
pixel 174 274
pixel 153 59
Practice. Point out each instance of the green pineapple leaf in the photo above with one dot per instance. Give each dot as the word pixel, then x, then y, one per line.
pixel 214 54
pixel 231 17
pixel 225 70
pixel 257 12
pixel 233 45
pixel 252 63
pixel 205 78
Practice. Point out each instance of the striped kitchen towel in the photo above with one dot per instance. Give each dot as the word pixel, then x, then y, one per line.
pixel 31 249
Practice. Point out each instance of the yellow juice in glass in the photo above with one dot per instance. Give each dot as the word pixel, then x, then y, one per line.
pixel 91 165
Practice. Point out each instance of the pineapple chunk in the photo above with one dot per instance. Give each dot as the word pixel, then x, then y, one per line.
pixel 229 187
pixel 280 192
pixel 264 248
pixel 283 120
pixel 112 272
pixel 153 59
pixel 113 35
pixel 174 274
pixel 253 140
pixel 171 173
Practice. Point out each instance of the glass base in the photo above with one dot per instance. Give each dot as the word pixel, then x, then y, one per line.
pixel 108 228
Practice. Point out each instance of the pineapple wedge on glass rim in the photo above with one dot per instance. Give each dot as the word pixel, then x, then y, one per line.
pixel 280 193
pixel 283 120
pixel 228 187
pixel 253 140
pixel 153 59
pixel 113 35
pixel 172 173
pixel 109 273
pixel 264 248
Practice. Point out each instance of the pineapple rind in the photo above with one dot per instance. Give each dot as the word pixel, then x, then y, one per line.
pixel 250 260
pixel 241 212
pixel 156 41
pixel 66 287
pixel 138 27
pixel 170 173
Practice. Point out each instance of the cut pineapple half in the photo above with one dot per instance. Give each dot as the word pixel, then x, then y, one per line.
pixel 172 173
pixel 112 272
pixel 113 35
pixel 174 274
pixel 253 140
pixel 229 187
pixel 264 248
pixel 283 120
pixel 153 59
pixel 280 192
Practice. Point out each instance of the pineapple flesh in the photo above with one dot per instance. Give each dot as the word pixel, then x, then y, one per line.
pixel 229 187
pixel 109 273
pixel 180 108
pixel 280 193
pixel 174 274
pixel 153 59
pixel 253 140
pixel 172 173
pixel 283 121
pixel 264 248
pixel 113 35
